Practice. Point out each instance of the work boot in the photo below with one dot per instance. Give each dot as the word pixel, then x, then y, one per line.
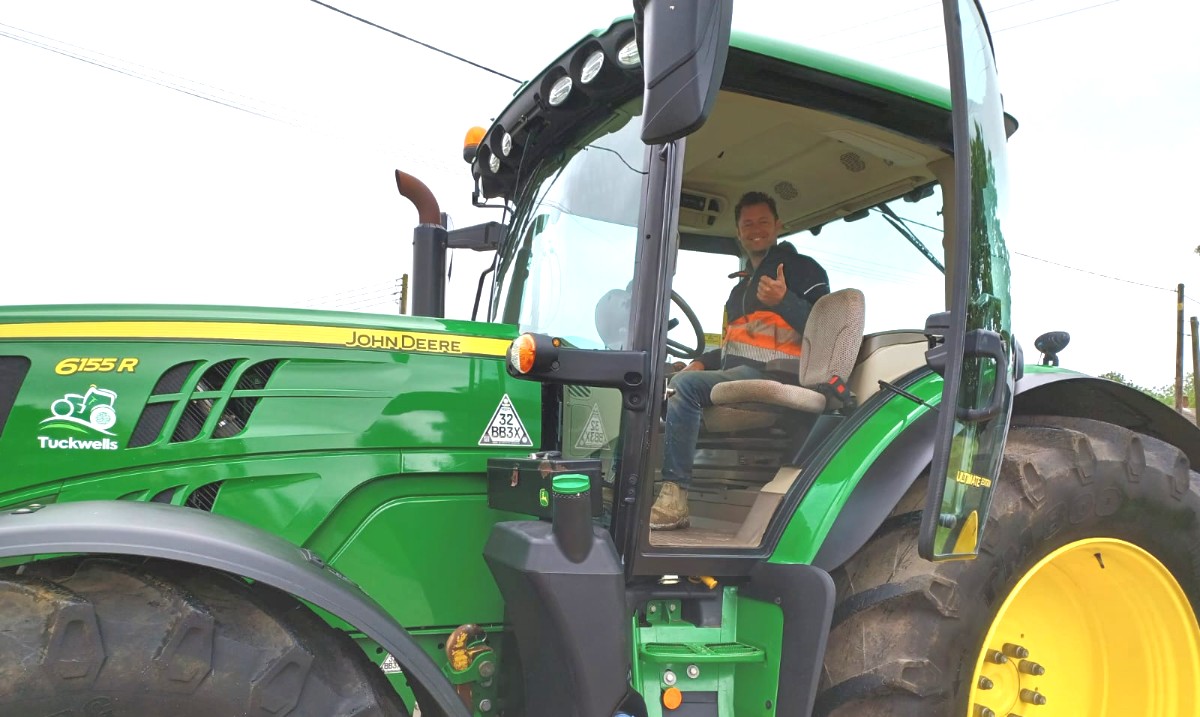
pixel 670 510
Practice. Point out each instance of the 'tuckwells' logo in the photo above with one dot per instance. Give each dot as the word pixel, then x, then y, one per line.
pixel 92 411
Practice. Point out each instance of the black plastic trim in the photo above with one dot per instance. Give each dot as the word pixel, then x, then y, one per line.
pixel 622 370
pixel 806 596
pixel 567 613
pixel 13 370
pixel 878 492
pixel 658 227
pixel 198 538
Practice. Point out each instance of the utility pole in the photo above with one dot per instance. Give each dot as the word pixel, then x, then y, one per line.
pixel 1196 368
pixel 403 294
pixel 1179 350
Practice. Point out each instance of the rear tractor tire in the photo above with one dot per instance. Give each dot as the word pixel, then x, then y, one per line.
pixel 95 637
pixel 1082 600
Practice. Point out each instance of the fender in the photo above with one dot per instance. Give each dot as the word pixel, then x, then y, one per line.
pixel 1049 393
pixel 1067 393
pixel 191 536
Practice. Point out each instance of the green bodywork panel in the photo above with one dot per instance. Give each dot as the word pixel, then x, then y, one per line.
pixel 825 499
pixel 827 62
pixel 356 436
pixel 842 67
pixel 743 650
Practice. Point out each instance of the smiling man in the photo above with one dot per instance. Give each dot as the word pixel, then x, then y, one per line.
pixel 764 320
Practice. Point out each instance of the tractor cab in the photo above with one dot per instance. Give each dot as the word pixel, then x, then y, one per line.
pixel 860 165
pixel 568 266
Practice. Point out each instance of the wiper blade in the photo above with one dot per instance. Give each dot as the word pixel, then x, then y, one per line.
pixel 907 233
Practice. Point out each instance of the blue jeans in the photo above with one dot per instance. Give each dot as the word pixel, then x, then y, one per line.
pixel 693 393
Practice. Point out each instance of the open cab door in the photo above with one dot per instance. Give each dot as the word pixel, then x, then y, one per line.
pixel 976 355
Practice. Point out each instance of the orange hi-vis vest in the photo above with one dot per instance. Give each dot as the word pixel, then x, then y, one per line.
pixel 761 336
pixel 755 333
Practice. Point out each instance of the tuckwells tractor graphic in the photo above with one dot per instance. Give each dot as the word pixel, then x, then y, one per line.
pixel 93 408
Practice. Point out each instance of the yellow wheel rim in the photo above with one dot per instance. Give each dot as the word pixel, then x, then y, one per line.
pixel 1098 628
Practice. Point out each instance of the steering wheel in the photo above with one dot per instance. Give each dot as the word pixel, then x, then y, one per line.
pixel 682 350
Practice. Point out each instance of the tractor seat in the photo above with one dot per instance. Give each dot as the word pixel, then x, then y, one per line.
pixel 832 338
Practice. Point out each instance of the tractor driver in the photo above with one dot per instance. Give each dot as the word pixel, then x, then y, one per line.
pixel 764 317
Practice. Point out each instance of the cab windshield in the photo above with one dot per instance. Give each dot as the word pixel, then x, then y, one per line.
pixel 566 266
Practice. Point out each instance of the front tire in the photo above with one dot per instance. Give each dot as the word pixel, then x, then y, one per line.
pixel 99 636
pixel 911 637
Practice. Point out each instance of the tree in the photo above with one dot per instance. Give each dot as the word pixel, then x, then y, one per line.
pixel 1165 393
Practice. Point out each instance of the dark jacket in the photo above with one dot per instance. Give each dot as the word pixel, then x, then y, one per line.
pixel 755 333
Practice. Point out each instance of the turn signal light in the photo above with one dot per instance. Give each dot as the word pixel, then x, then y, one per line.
pixel 529 352
pixel 522 352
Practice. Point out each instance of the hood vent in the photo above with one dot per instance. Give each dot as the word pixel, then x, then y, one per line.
pixel 211 392
pixel 204 497
pixel 172 380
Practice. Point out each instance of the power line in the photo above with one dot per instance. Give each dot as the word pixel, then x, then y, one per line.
pixel 999 30
pixel 129 63
pixel 1067 266
pixel 1093 273
pixel 876 20
pixel 353 294
pixel 140 76
pixel 422 44
pixel 1061 14
pixel 193 88
pixel 939 26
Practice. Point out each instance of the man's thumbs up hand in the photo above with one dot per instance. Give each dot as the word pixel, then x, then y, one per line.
pixel 771 291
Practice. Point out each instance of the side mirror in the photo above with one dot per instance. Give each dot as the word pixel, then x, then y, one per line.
pixel 936 327
pixel 481 237
pixel 683 46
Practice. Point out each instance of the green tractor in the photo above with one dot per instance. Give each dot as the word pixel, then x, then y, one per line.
pixel 213 510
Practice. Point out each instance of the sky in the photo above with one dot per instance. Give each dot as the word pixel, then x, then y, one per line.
pixel 225 152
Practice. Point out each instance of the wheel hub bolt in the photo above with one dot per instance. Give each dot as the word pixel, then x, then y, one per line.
pixel 1031 668
pixel 985 683
pixel 997 657
pixel 1033 698
pixel 981 711
pixel 1015 651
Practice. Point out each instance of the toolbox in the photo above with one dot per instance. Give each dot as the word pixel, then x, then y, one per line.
pixel 523 485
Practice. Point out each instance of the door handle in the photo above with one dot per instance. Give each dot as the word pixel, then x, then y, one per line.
pixel 981 343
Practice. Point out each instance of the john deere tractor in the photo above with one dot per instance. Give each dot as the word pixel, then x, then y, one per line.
pixel 213 510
